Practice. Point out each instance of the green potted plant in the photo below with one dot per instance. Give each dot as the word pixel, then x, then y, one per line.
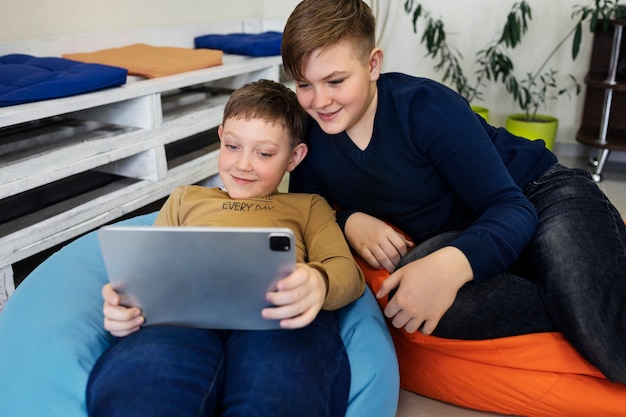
pixel 493 61
pixel 541 85
pixel 531 93
pixel 495 64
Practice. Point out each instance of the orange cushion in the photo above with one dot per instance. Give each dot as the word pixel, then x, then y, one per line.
pixel 537 374
pixel 152 61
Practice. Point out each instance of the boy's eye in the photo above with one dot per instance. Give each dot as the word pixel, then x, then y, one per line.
pixel 303 85
pixel 231 147
pixel 336 82
pixel 264 154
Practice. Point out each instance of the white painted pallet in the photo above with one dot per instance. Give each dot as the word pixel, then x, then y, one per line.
pixel 7 285
pixel 124 131
pixel 35 232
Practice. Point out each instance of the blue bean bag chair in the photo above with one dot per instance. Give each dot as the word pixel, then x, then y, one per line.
pixel 51 334
pixel 25 78
pixel 251 44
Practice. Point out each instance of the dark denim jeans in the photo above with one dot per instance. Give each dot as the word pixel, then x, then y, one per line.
pixel 171 371
pixel 503 305
pixel 571 277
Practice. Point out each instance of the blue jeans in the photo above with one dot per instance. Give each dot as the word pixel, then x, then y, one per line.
pixel 571 277
pixel 173 371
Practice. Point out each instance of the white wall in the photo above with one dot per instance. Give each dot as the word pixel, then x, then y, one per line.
pixel 278 9
pixel 471 25
pixel 21 19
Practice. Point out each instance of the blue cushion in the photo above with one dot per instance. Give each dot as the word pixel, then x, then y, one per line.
pixel 24 78
pixel 51 335
pixel 252 44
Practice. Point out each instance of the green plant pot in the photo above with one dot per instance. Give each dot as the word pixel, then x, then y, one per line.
pixel 482 111
pixel 543 127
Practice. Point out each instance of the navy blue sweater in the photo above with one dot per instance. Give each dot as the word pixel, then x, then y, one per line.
pixel 432 165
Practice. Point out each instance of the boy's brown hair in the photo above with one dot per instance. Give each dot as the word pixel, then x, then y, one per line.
pixel 318 24
pixel 272 102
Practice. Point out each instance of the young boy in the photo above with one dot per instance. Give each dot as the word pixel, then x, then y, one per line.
pixel 506 216
pixel 170 371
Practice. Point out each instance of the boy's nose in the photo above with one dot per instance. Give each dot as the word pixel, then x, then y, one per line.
pixel 243 162
pixel 321 99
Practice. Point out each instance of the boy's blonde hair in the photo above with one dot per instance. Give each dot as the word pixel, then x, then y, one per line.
pixel 318 24
pixel 272 102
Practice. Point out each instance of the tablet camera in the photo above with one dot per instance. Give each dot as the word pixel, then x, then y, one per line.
pixel 280 243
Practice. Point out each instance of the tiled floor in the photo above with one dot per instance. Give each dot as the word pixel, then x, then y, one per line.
pixel 412 405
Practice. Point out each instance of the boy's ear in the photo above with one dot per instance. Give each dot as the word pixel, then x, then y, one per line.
pixel 297 155
pixel 220 131
pixel 375 63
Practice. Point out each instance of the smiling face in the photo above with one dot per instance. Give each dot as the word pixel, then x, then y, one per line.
pixel 254 156
pixel 339 89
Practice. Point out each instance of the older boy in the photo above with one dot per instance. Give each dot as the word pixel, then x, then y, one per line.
pixel 178 371
pixel 391 148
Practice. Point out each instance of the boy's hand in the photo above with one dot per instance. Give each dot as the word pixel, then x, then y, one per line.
pixel 375 241
pixel 427 288
pixel 298 298
pixel 119 320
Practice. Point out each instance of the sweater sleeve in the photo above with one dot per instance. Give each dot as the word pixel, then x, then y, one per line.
pixel 502 220
pixel 328 252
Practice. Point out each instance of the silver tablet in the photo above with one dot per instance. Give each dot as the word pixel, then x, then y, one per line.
pixel 206 277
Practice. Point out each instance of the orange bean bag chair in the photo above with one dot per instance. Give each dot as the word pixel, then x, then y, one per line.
pixel 538 374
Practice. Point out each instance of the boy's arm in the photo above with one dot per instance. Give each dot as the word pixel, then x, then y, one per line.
pixel 329 253
pixel 345 281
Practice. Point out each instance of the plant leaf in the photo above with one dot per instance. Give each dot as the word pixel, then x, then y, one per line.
pixel 578 34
